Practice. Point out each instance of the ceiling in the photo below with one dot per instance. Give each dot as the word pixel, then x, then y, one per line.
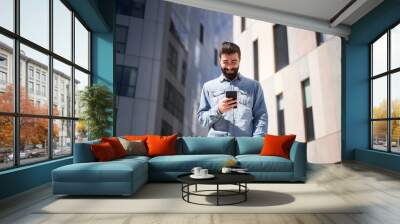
pixel 326 16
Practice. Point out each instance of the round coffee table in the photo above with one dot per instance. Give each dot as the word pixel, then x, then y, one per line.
pixel 238 179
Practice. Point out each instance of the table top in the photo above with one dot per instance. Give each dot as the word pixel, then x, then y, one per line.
pixel 220 178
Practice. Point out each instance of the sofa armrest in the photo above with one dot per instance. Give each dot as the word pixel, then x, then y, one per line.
pixel 83 152
pixel 298 155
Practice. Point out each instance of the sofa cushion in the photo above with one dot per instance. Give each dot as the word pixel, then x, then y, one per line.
pixel 185 163
pixel 116 145
pixel 111 171
pixel 135 137
pixel 249 145
pixel 277 145
pixel 206 145
pixel 103 151
pixel 83 152
pixel 257 163
pixel 161 145
pixel 133 158
pixel 134 147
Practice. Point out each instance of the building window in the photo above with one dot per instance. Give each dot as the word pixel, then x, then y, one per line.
pixel 255 59
pixel 184 72
pixel 216 57
pixel 174 32
pixel 281 114
pixel 166 128
pixel 38 74
pixel 281 47
pixel 30 72
pixel 308 111
pixel 126 80
pixel 38 89
pixel 385 91
pixel 201 34
pixel 242 24
pixel 172 59
pixel 3 78
pixel 173 101
pixel 43 77
pixel 134 8
pixel 121 36
pixel 35 114
pixel 30 87
pixel 44 91
pixel 3 61
pixel 319 38
pixel 3 72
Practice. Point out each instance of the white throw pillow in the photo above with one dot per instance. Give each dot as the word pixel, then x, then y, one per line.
pixel 135 147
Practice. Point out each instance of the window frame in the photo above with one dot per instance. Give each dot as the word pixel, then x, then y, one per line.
pixel 281 52
pixel 120 46
pixel 256 69
pixel 280 114
pixel 16 114
pixel 388 74
pixel 309 124
pixel 120 71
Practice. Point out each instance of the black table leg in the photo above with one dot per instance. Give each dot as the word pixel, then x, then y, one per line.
pixel 217 194
pixel 188 190
pixel 245 193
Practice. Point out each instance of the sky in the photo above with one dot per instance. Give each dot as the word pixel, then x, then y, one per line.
pixel 380 66
pixel 35 27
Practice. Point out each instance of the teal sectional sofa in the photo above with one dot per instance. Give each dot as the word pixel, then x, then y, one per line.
pixel 125 176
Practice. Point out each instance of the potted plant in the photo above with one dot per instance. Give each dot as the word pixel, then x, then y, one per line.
pixel 96 102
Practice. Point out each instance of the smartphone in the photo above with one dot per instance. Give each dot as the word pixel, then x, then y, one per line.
pixel 231 94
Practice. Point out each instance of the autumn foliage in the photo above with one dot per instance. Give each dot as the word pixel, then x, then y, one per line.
pixel 380 127
pixel 33 131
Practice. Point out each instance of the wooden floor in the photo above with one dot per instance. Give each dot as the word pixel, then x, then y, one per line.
pixel 377 188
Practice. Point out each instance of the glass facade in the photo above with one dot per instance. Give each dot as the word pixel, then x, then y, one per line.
pixel 38 124
pixel 385 94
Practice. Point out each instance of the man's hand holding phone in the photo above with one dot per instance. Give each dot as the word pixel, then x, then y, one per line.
pixel 229 102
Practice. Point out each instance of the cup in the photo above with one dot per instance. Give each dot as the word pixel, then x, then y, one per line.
pixel 203 172
pixel 226 170
pixel 196 170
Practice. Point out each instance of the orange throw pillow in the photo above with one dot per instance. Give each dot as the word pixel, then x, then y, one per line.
pixel 277 145
pixel 161 145
pixel 116 145
pixel 135 137
pixel 103 151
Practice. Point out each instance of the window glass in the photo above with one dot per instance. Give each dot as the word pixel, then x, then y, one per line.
pixel 30 58
pixel 395 47
pixel 62 138
pixel 62 29
pixel 34 145
pixel 81 82
pixel 62 89
pixel 6 75
pixel 34 21
pixel 81 45
pixel 379 56
pixel 7 14
pixel 379 98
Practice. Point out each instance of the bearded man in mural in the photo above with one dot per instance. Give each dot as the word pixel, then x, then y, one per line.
pixel 232 105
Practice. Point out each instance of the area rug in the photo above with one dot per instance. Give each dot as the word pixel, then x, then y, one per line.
pixel 167 198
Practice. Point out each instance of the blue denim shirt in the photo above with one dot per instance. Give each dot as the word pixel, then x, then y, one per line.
pixel 250 118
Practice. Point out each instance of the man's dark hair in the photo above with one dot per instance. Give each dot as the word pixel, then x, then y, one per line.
pixel 229 48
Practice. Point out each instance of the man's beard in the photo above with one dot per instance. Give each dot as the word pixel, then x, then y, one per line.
pixel 230 75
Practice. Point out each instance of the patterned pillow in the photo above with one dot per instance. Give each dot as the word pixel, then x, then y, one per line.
pixel 134 147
